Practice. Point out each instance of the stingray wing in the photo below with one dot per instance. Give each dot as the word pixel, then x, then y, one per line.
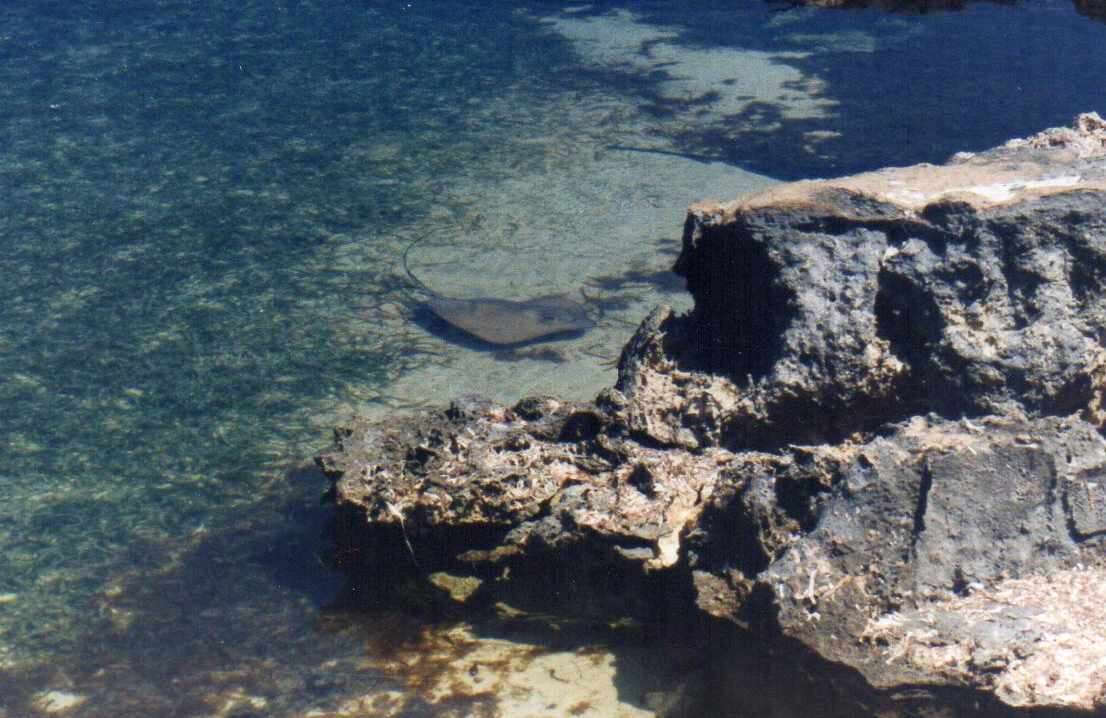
pixel 499 321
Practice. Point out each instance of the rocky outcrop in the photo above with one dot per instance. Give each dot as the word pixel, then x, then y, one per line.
pixel 1091 8
pixel 1095 9
pixel 826 308
pixel 875 441
pixel 971 548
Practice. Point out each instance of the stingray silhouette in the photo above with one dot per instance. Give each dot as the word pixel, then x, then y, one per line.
pixel 504 322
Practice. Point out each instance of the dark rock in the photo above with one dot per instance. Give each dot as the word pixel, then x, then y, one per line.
pixel 831 307
pixel 583 425
pixel 1095 9
pixel 874 449
pixel 932 515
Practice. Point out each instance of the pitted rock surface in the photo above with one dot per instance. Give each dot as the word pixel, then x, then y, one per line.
pixel 828 307
pixel 875 445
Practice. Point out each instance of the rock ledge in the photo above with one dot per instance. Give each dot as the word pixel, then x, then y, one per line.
pixel 876 443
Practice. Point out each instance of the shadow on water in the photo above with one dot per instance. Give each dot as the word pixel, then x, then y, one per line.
pixel 896 89
pixel 665 282
pixel 184 627
pixel 251 620
pixel 426 319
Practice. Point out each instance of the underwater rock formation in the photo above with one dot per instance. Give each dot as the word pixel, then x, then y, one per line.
pixel 875 442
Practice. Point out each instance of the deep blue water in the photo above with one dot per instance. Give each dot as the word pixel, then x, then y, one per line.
pixel 196 198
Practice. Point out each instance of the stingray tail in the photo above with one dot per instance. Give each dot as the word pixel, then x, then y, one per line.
pixel 418 282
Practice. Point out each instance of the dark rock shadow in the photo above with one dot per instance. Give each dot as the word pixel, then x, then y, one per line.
pixel 243 599
pixel 925 87
pixel 665 282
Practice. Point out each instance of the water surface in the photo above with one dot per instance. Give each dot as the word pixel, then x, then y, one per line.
pixel 202 209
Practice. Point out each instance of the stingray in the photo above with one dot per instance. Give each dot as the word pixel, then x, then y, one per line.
pixel 505 322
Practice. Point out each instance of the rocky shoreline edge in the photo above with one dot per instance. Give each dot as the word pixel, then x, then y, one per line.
pixel 872 454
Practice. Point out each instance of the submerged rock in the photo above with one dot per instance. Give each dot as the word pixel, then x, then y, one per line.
pixel 875 445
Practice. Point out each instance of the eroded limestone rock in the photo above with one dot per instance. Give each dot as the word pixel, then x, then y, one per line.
pixel 875 444
pixel 927 555
pixel 829 307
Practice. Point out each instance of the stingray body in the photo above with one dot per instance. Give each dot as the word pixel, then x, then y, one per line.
pixel 505 322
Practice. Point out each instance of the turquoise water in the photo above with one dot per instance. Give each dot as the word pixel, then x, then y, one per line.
pixel 201 211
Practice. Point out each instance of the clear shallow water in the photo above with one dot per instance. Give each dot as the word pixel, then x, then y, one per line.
pixel 201 211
